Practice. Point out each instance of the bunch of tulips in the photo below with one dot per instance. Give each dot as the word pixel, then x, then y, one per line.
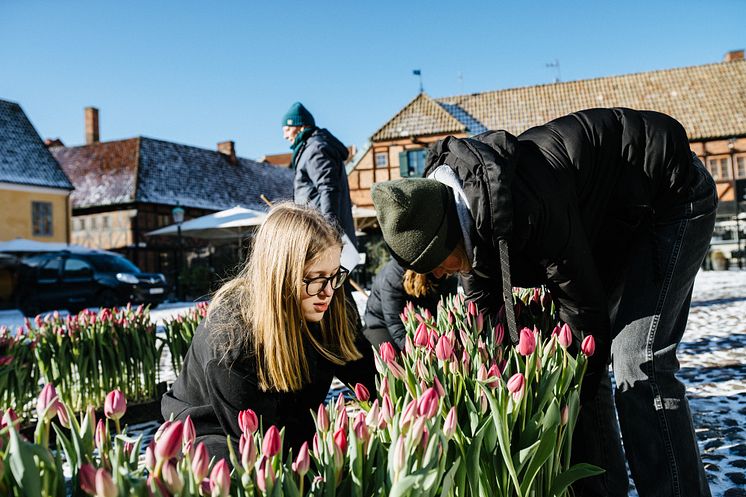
pixel 179 332
pixel 19 374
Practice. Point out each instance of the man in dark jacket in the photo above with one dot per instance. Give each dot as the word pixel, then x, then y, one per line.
pixel 319 163
pixel 608 208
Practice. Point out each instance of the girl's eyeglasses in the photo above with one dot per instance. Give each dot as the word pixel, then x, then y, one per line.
pixel 315 286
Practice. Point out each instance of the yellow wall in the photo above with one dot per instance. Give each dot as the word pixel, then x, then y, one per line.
pixel 15 215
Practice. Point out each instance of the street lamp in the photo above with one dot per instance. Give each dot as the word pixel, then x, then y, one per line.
pixel 178 214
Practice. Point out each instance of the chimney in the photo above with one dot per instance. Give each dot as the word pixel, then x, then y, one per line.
pixel 228 148
pixel 91 125
pixel 733 56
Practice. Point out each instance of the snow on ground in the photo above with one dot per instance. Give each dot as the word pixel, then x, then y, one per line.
pixel 712 367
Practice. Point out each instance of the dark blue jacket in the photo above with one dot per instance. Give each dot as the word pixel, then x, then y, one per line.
pixel 321 179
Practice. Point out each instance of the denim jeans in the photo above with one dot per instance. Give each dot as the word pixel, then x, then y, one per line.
pixel 648 315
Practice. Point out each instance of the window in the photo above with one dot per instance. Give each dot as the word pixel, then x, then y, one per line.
pixel 82 224
pixel 719 167
pixel 77 269
pixel 382 159
pixel 41 218
pixel 94 223
pixel 741 167
pixel 412 162
pixel 50 271
pixel 105 222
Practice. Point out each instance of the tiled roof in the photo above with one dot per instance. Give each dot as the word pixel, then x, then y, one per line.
pixel 421 116
pixel 156 171
pixel 709 100
pixel 23 157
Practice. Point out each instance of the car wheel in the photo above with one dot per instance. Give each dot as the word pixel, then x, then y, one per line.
pixel 107 298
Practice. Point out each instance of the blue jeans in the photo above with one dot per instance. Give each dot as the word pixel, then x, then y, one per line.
pixel 648 316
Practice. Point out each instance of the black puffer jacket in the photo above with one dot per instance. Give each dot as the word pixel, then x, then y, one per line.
pixel 568 196
pixel 321 178
pixel 387 300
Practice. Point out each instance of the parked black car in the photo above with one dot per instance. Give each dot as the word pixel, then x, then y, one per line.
pixel 74 281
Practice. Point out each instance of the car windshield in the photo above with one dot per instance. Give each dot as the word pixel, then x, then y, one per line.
pixel 112 264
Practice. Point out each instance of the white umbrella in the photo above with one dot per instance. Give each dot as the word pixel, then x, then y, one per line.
pixel 228 224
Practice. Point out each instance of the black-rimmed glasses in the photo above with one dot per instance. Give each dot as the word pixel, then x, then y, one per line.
pixel 315 286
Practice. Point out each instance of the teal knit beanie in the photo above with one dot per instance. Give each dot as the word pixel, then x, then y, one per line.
pixel 418 220
pixel 298 115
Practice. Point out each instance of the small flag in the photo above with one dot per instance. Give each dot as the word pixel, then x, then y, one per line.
pixel 416 72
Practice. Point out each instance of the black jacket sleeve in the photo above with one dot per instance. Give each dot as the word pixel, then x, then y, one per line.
pixel 362 370
pixel 393 301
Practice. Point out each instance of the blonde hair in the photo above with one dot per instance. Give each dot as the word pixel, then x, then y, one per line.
pixel 416 284
pixel 259 311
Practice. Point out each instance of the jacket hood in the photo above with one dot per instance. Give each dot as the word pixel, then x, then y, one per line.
pixel 323 138
pixel 485 164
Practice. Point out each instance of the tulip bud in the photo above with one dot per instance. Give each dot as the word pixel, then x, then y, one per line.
pixel 62 415
pixel 101 437
pixel 588 346
pixel 340 439
pixel 362 393
pixel 450 424
pixel 421 336
pixel 171 477
pixel 150 456
pixel 87 478
pixel 527 342
pixel 9 418
pixel 409 413
pixel 361 428
pixel 565 417
pixel 169 444
pixel 46 404
pixel 220 479
pixel 341 421
pixel 384 389
pixel 403 318
pixel 372 416
pixel 471 308
pixel 387 352
pixel 387 411
pixel 480 322
pixel 303 461
pixel 438 387
pixel 272 443
pixel 105 486
pixel 247 449
pixel 248 421
pixel 322 419
pixel 418 428
pixel 408 345
pixel 428 404
pixel 443 349
pixel 516 386
pixel 493 372
pixel 400 454
pixel 565 336
pixel 261 475
pixel 340 405
pixel 499 333
pixel 188 434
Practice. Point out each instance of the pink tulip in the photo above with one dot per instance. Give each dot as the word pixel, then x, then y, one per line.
pixel 499 333
pixel 516 386
pixel 588 346
pixel 403 317
pixel 340 405
pixel 322 418
pixel 161 430
pixel 362 393
pixel 372 416
pixel 400 454
pixel 465 361
pixel 200 462
pixel 396 370
pixel 188 434
pixel 482 373
pixel 471 308
pixel 115 405
pixel 157 487
pixel 418 428
pixel 272 443
pixel 361 428
pixel 261 474
pixel 247 449
pixel 101 436
pixel 303 461
pixel 248 421
pixel 9 418
pixel 565 336
pixel 439 388
pixel 105 486
pixel 409 413
pixel 150 456
pixel 556 330
pixel 220 479
pixel 565 417
pixel 62 415
pixel 444 349
pixel 340 440
pixel 480 322
pixel 387 352
pixel 169 444
pixel 527 342
pixel 387 408
pixel 384 388
pixel 421 336
pixel 341 420
pixel 493 372
pixel 427 314
pixel 450 424
pixel 172 479
pixel 47 404
pixel 428 403
pixel 87 478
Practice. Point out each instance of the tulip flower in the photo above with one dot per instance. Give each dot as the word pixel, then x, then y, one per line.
pixel 317 447
pixel 516 386
pixel 387 352
pixel 384 388
pixel 169 444
pixel 565 416
pixel 322 419
pixel 247 449
pixel 340 405
pixel 220 479
pixel 471 308
pixel 248 421
pixel 527 342
pixel 444 349
pixel 450 424
pixel 172 479
pixel 47 404
pixel 62 415
pixel 362 393
pixel 427 406
pixel 101 436
pixel 565 336
pixel 400 455
pixel 418 428
pixel 9 418
pixel 261 475
pixel 188 434
pixel 480 322
pixel 361 428
pixel 409 413
pixel 588 346
pixel 499 333
pixel 438 387
pixel 303 461
pixel 493 372
pixel 272 442
pixel 340 439
pixel 105 486
pixel 421 336
pixel 387 410
pixel 150 456
pixel 341 420
pixel 87 478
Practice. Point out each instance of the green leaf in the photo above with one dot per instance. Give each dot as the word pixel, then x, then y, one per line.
pixel 22 465
pixel 403 486
pixel 449 477
pixel 575 473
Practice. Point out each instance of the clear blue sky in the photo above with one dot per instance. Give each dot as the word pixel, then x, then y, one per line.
pixel 203 72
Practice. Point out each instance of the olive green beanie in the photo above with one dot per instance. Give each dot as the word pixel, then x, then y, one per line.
pixel 418 220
